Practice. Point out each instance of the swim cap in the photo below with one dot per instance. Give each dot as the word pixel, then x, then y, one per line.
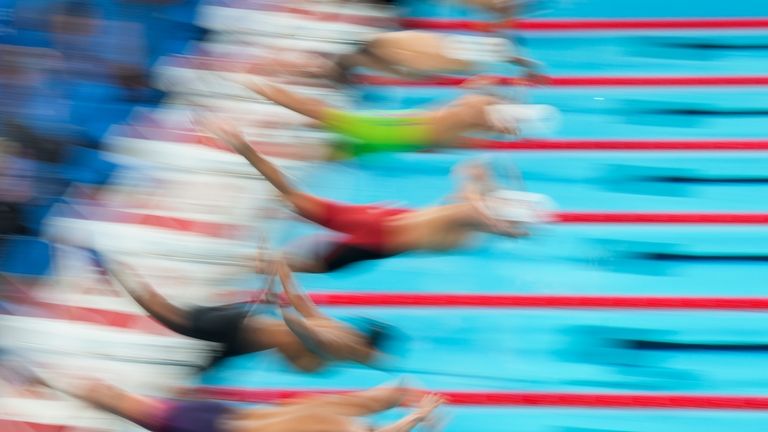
pixel 519 206
pixel 541 119
pixel 477 48
pixel 379 335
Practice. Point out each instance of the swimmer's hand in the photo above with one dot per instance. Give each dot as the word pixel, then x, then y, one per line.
pixel 480 81
pixel 428 405
pixel 493 225
pixel 424 413
pixel 512 229
pixel 271 291
pixel 253 83
pixel 507 129
pixel 225 131
pixel 533 77
pixel 475 171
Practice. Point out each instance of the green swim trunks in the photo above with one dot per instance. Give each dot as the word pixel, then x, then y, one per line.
pixel 363 133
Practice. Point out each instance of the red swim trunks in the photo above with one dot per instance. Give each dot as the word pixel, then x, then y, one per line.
pixel 365 227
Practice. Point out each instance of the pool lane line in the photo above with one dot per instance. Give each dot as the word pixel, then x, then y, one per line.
pixel 580 81
pixel 661 218
pixel 585 25
pixel 620 144
pixel 675 401
pixel 141 322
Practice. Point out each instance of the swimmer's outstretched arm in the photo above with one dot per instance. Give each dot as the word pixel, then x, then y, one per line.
pixel 368 58
pixel 329 345
pixel 298 299
pixel 426 407
pixel 367 402
pixel 227 132
pixel 311 107
pixel 378 399
pixel 158 307
pixel 101 395
pixel 139 409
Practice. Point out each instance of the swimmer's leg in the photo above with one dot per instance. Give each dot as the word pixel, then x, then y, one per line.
pixel 305 265
pixel 364 58
pixel 327 254
pixel 157 306
pixel 227 325
pixel 311 107
pixel 146 412
pixel 143 411
pixel 307 255
pixel 305 204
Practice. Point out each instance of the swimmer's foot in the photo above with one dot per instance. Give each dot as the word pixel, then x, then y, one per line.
pixel 21 372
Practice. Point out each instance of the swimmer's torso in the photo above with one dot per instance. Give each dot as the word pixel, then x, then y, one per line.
pixel 431 229
pixel 464 115
pixel 266 333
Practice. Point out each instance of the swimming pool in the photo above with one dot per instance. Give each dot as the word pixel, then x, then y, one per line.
pixel 526 352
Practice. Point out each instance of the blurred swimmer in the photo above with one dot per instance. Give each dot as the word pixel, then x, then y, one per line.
pixel 311 413
pixel 305 337
pixel 410 54
pixel 369 232
pixel 413 54
pixel 369 132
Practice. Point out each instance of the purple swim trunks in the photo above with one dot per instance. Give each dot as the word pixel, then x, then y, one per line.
pixel 193 416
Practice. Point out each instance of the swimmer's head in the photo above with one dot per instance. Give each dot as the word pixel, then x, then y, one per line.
pixel 509 117
pixel 518 206
pixel 379 336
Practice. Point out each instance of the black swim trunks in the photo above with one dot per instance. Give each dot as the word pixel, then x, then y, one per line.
pixel 341 254
pixel 221 324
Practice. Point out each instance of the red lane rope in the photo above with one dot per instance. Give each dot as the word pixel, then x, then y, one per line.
pixel 620 144
pixel 591 24
pixel 659 81
pixel 140 322
pixel 579 81
pixel 582 400
pixel 662 218
pixel 539 301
